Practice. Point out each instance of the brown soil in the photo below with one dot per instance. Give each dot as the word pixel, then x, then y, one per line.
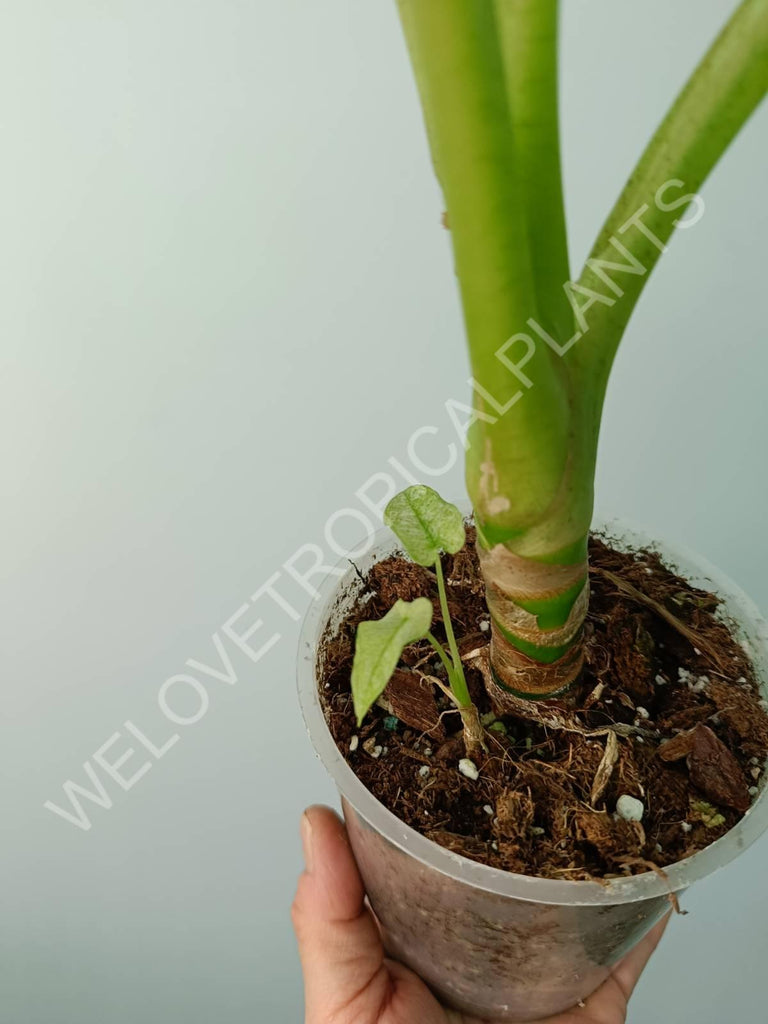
pixel 691 745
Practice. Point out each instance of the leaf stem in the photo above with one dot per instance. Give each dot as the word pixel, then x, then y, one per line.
pixel 527 32
pixel 458 680
pixel 718 98
pixel 447 663
pixel 468 82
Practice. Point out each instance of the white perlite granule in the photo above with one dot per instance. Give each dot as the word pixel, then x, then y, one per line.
pixel 372 748
pixel 630 808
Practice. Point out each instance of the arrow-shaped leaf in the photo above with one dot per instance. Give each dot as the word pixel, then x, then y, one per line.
pixel 425 523
pixel 379 645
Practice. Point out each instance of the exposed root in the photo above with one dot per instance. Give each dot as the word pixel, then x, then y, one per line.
pixel 595 696
pixel 650 866
pixel 605 768
pixel 691 635
pixel 552 714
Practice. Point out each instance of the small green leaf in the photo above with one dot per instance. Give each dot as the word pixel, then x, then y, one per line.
pixel 425 524
pixel 379 645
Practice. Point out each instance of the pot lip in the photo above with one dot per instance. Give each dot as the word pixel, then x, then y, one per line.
pixel 648 885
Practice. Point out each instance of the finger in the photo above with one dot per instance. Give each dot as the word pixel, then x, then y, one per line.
pixel 339 944
pixel 627 973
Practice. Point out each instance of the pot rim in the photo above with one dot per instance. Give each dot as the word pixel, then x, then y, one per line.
pixel 753 632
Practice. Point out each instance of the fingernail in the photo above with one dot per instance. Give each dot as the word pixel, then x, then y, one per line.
pixel 306 839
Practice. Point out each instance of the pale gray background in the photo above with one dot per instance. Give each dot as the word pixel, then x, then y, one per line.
pixel 227 300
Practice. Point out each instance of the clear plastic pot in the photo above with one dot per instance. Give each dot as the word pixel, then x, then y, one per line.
pixel 505 946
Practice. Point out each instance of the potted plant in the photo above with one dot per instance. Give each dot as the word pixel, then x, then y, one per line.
pixel 561 765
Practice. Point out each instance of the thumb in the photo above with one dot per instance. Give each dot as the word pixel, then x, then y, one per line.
pixel 339 944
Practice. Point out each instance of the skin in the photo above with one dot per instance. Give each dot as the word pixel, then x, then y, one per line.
pixel 349 980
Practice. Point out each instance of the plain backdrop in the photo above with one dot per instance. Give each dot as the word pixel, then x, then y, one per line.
pixel 227 299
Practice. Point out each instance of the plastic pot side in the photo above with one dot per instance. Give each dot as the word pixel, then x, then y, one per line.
pixel 489 942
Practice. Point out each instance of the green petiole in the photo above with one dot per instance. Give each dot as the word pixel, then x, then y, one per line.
pixel 457 678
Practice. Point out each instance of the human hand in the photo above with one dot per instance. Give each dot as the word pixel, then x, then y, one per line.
pixel 349 980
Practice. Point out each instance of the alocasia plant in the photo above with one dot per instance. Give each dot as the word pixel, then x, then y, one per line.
pixel 541 345
pixel 426 525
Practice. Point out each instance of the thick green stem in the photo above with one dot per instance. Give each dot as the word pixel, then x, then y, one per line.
pixel 520 428
pixel 455 53
pixel 528 32
pixel 713 106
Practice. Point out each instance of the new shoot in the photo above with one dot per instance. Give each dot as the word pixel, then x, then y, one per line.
pixel 426 526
